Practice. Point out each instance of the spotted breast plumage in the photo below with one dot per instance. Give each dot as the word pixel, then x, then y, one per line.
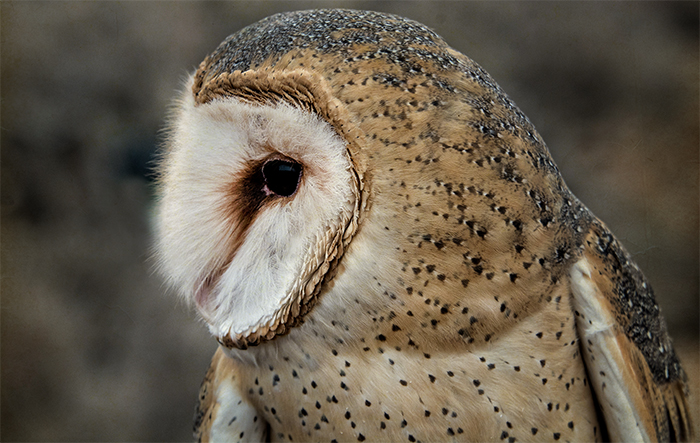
pixel 383 247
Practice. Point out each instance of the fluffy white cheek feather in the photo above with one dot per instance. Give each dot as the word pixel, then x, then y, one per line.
pixel 210 149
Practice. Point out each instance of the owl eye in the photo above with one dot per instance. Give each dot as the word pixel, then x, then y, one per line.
pixel 282 177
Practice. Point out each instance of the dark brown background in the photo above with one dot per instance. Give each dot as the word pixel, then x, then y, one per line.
pixel 93 348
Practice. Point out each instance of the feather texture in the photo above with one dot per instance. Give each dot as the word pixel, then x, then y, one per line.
pixel 430 277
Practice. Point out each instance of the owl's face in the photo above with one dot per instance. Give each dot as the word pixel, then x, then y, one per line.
pixel 255 203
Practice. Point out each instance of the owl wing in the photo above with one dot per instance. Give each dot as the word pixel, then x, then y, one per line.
pixel 640 387
pixel 223 413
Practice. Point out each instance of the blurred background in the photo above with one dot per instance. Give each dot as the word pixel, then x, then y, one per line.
pixel 93 347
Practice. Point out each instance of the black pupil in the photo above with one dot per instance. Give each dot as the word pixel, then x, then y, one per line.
pixel 282 177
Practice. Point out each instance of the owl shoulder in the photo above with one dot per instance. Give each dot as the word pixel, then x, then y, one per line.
pixel 640 386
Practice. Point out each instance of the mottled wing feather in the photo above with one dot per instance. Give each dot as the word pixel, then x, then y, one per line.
pixel 640 386
pixel 223 414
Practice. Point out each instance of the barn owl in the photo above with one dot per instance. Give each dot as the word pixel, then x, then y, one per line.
pixel 384 249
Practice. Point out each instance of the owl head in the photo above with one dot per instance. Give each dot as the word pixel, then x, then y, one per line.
pixel 298 131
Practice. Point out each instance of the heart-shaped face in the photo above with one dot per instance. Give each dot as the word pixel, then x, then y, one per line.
pixel 255 202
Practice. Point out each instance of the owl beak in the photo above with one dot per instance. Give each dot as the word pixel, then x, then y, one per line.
pixel 203 296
